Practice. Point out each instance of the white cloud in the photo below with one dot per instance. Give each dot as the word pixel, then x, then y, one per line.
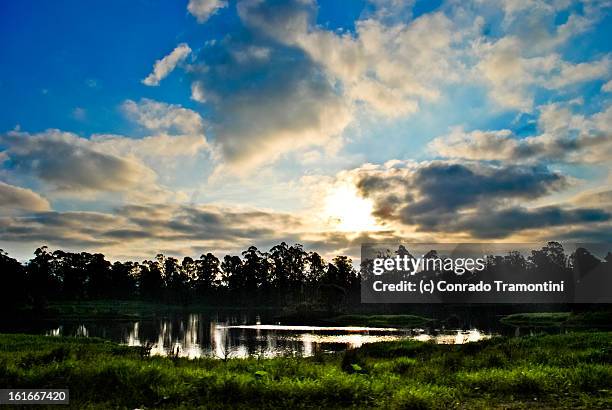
pixel 203 9
pixel 387 66
pixel 162 117
pixel 564 137
pixel 163 67
pixel 513 77
pixel 197 92
pixel 576 73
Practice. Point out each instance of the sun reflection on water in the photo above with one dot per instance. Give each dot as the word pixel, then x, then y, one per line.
pixel 196 336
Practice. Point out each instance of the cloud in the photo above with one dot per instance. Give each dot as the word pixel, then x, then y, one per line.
pixel 564 137
pixel 523 54
pixel 601 198
pixel 197 92
pixel 162 117
pixel 280 83
pixel 480 199
pixel 108 167
pixel 145 229
pixel 393 64
pixel 388 67
pixel 499 223
pixel 203 9
pixel 71 163
pixel 14 199
pixel 166 65
pixel 265 99
pixel 513 77
pixel 569 74
pixel 152 147
pixel 442 187
pixel 175 132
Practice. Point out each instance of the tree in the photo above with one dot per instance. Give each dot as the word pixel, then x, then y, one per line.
pixel 14 289
pixel 101 283
pixel 316 268
pixel 42 279
pixel 151 278
pixel 123 279
pixel 176 281
pixel 583 261
pixel 232 272
pixel 208 273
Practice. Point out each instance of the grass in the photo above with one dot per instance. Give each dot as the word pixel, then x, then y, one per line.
pixel 559 319
pixel 568 370
pixel 108 309
pixel 121 309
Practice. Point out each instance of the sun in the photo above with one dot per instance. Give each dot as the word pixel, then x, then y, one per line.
pixel 349 212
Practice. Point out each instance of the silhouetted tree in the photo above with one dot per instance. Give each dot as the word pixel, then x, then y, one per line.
pixel 14 288
pixel 232 272
pixel 101 281
pixel 42 280
pixel 123 280
pixel 583 261
pixel 208 274
pixel 151 278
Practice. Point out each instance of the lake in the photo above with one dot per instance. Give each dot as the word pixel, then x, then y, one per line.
pixel 242 335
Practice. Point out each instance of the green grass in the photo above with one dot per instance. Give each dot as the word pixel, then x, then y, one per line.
pixel 568 370
pixel 560 319
pixel 380 320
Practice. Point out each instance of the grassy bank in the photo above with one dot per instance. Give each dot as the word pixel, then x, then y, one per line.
pixel 560 319
pixel 122 310
pixel 569 370
pixel 322 318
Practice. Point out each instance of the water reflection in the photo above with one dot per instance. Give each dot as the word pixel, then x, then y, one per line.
pixel 196 335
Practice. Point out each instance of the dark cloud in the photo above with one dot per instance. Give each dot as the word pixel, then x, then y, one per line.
pixel 70 163
pixel 138 226
pixel 481 199
pixel 498 223
pixel 447 187
pixel 14 199
pixel 441 187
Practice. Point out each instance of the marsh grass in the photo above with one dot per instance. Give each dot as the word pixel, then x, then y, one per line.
pixel 601 319
pixel 568 370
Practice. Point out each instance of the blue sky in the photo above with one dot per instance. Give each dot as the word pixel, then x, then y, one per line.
pixel 327 123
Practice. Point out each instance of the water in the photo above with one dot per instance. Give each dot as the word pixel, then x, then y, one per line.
pixel 230 336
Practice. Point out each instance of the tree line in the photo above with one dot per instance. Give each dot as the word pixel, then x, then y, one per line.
pixel 281 276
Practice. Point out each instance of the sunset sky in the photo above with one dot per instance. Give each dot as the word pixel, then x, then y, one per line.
pixel 137 127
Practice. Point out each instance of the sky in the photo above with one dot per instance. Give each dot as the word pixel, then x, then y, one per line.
pixel 183 127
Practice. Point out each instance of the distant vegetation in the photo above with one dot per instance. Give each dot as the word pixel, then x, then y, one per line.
pixel 283 276
pixel 286 275
pixel 560 319
pixel 558 371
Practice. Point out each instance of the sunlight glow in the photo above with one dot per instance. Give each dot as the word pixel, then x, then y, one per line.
pixel 348 212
